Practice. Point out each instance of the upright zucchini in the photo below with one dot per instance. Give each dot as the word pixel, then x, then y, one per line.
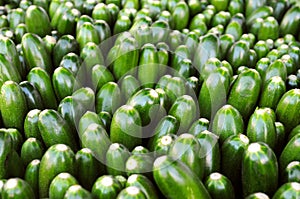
pixel 167 171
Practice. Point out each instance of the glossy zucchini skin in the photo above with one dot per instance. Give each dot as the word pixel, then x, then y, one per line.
pixel 106 186
pixel 219 186
pixel 259 158
pixel 164 166
pixel 60 184
pixel 17 188
pixel 59 154
pixel 245 91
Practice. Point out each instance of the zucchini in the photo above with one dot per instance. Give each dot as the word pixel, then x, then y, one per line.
pixel 35 52
pixel 219 186
pixel 42 81
pixel 55 130
pixel 76 191
pixel 31 176
pixel 259 169
pixel 32 95
pixel 116 157
pixel 31 149
pixel 144 184
pixel 13 105
pixel 186 148
pixel 106 187
pixel 261 128
pixel 131 192
pixel 232 151
pixel 88 168
pixel 209 152
pixel 60 184
pixel 291 172
pixel 288 109
pixel 245 92
pixel 33 13
pixel 288 190
pixel 126 127
pixel 227 121
pixel 167 171
pixel 57 159
pixel 96 138
pixel 17 188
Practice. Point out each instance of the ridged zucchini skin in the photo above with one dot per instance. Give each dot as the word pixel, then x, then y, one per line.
pixel 116 157
pixel 219 186
pixel 35 53
pixel 290 152
pixel 17 188
pixel 227 121
pixel 144 184
pixel 292 172
pixel 59 154
pixel 187 148
pixel 33 13
pixel 13 105
pixel 31 176
pixel 77 191
pixel 41 79
pixel 288 190
pixel 259 164
pixel 288 109
pixel 32 95
pixel 209 152
pixel 106 187
pixel 261 128
pixel 131 192
pixel 31 149
pixel 126 127
pixel 167 125
pixel 272 91
pixel 245 92
pixel 164 170
pixel 55 130
pixel 60 184
pixel 88 168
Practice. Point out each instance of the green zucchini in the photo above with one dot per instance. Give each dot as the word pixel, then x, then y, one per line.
pixel 261 128
pixel 126 127
pixel 17 187
pixel 187 148
pixel 13 105
pixel 259 169
pixel 58 154
pixel 167 171
pixel 76 191
pixel 60 184
pixel 116 157
pixel 31 149
pixel 287 110
pixel 219 186
pixel 88 168
pixel 106 187
pixel 31 176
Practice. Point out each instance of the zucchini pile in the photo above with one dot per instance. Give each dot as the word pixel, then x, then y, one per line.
pixel 150 99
